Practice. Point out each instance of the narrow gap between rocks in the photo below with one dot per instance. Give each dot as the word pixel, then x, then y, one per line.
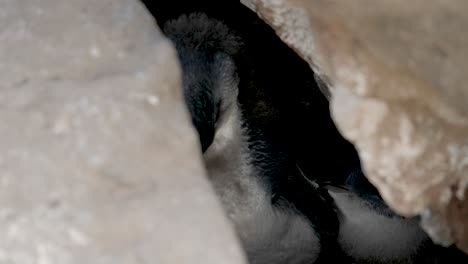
pixel 283 103
pixel 287 99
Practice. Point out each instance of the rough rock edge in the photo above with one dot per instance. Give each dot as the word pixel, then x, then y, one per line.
pixel 292 25
pixel 99 163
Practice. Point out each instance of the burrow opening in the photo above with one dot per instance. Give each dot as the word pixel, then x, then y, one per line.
pixel 281 97
pixel 286 101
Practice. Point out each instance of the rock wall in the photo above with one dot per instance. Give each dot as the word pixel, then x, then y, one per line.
pixel 98 160
pixel 396 73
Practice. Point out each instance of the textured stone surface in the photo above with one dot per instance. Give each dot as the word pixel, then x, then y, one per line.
pixel 98 161
pixel 397 75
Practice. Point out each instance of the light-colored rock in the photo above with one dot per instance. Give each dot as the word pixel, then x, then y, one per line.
pixel 98 160
pixel 397 74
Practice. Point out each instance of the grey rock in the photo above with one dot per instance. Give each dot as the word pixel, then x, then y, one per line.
pixel 98 160
pixel 396 73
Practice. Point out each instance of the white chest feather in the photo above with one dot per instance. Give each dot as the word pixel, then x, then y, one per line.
pixel 269 234
pixel 366 234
